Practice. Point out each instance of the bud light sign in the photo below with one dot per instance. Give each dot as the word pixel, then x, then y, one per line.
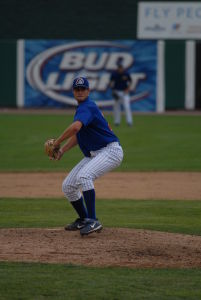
pixel 51 67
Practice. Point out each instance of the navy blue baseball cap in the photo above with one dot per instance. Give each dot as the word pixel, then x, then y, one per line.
pixel 80 82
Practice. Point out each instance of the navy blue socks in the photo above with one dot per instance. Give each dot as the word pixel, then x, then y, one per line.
pixel 89 197
pixel 80 208
pixel 90 212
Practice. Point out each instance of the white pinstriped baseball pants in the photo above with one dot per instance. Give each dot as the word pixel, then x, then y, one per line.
pixel 82 176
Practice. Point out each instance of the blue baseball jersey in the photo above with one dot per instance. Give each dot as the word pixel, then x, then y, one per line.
pixel 121 80
pixel 95 132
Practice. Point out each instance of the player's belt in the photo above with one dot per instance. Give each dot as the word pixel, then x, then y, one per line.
pixel 112 144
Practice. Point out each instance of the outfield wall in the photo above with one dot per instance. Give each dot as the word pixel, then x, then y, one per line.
pixel 178 82
pixel 8 69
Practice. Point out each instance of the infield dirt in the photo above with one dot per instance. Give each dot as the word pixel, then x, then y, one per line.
pixel 114 185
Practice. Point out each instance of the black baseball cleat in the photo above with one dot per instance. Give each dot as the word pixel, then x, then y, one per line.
pixel 91 225
pixel 76 225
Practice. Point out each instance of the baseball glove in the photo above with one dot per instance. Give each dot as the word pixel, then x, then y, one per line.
pixel 50 149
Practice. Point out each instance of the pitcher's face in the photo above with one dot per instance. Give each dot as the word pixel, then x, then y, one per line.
pixel 80 93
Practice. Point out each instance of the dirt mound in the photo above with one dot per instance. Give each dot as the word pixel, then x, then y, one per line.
pixel 111 247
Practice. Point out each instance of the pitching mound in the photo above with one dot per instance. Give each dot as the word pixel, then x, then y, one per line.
pixel 111 247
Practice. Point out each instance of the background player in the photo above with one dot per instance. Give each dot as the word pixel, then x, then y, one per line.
pixel 102 153
pixel 120 82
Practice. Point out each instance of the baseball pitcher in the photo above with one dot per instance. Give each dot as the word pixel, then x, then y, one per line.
pixel 102 153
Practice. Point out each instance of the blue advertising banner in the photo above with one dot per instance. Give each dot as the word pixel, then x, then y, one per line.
pixel 51 66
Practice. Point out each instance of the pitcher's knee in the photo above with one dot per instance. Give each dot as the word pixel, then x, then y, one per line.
pixel 71 192
pixel 66 188
pixel 86 182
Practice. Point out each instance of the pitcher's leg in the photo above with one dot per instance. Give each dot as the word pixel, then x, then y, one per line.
pixel 105 161
pixel 90 198
pixel 72 192
pixel 70 185
pixel 109 158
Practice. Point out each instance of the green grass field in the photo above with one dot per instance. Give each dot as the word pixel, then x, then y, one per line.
pixel 41 281
pixel 171 216
pixel 155 143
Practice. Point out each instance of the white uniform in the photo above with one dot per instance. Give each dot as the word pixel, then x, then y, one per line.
pixel 102 153
pixel 124 100
pixel 90 168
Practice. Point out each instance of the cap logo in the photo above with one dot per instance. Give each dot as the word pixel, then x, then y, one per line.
pixel 79 81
